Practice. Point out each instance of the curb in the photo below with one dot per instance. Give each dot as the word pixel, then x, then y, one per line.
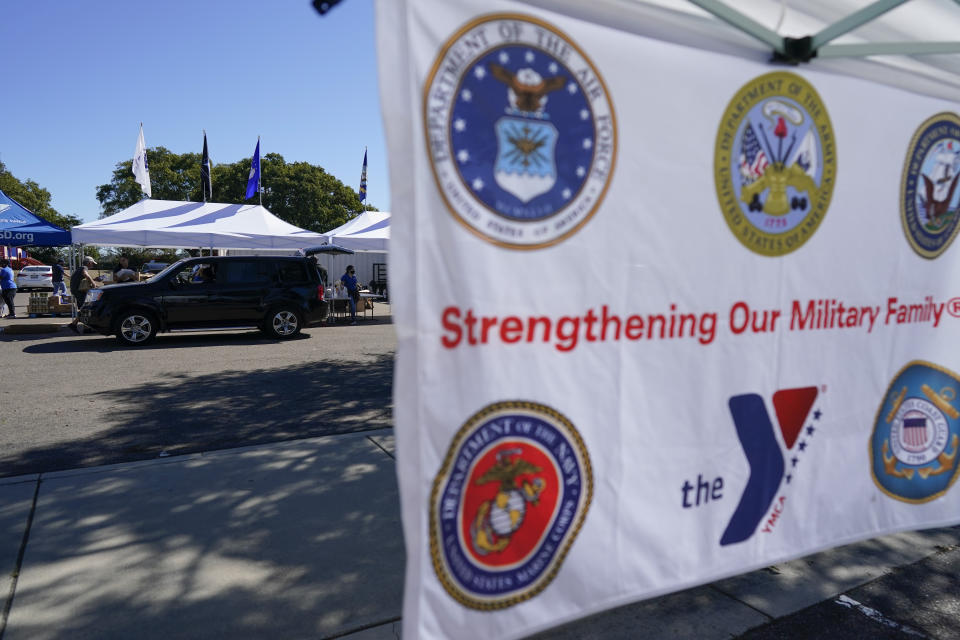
pixel 197 455
pixel 25 329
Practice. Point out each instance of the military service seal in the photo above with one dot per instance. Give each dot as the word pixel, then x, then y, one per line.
pixel 520 131
pixel 929 197
pixel 916 434
pixel 507 503
pixel 775 163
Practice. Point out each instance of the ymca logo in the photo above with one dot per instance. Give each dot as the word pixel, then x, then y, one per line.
pixel 507 504
pixel 520 131
pixel 773 462
pixel 916 434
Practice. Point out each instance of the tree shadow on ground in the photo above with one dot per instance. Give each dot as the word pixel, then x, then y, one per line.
pixel 186 413
pixel 301 540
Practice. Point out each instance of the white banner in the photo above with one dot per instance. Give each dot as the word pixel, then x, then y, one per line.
pixel 664 315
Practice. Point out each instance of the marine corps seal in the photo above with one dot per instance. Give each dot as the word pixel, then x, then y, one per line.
pixel 928 191
pixel 520 131
pixel 507 503
pixel 916 434
pixel 775 163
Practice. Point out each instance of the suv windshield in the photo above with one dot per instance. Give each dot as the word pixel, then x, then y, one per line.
pixel 169 268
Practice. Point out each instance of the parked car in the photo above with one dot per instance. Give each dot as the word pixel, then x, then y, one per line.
pixel 35 278
pixel 153 267
pixel 278 295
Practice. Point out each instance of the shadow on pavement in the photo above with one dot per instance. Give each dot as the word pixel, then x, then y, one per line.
pixel 98 343
pixel 300 541
pixel 185 413
pixel 915 601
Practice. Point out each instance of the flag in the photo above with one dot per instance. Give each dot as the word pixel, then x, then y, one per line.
pixel 806 156
pixel 141 172
pixel 253 183
pixel 363 179
pixel 206 183
pixel 753 161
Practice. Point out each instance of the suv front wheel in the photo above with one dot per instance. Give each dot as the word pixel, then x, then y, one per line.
pixel 282 323
pixel 136 328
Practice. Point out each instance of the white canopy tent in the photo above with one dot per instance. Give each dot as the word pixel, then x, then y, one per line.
pixel 902 43
pixel 175 224
pixel 370 231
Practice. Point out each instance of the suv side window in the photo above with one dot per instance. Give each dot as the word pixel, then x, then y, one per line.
pixel 188 274
pixel 245 272
pixel 291 271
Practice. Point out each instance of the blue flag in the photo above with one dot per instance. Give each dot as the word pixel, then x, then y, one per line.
pixel 363 179
pixel 253 183
pixel 206 181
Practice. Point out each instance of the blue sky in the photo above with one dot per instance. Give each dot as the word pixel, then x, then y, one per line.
pixel 79 77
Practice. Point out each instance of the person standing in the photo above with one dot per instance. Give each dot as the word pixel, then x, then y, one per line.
pixel 8 287
pixel 349 280
pixel 122 272
pixel 59 288
pixel 80 283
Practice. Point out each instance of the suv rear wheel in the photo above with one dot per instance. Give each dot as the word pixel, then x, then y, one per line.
pixel 282 323
pixel 136 328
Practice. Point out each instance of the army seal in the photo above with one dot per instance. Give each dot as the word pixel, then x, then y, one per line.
pixel 775 163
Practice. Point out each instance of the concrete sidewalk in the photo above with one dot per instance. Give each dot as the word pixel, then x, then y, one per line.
pixel 303 540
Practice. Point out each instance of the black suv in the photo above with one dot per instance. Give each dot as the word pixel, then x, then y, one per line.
pixel 277 295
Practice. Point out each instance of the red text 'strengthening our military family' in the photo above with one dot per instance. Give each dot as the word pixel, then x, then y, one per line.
pixel 468 327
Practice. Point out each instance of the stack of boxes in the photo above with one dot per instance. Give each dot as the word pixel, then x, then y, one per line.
pixel 60 304
pixel 44 304
pixel 38 303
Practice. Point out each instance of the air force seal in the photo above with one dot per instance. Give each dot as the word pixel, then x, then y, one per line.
pixel 520 131
pixel 775 163
pixel 507 503
pixel 916 434
pixel 929 197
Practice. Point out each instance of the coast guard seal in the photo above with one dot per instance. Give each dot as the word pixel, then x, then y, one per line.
pixel 929 197
pixel 507 503
pixel 520 131
pixel 775 163
pixel 916 434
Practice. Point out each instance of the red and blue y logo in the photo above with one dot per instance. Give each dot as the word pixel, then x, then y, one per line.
pixel 773 464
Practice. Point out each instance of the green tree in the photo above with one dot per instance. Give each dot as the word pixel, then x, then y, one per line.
pixel 172 177
pixel 300 193
pixel 37 199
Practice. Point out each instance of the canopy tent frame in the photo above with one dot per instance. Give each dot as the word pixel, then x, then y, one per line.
pixel 795 50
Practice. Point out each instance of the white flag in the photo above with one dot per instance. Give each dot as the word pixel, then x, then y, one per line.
pixel 141 170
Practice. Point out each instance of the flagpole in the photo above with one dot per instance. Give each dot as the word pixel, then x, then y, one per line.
pixel 259 172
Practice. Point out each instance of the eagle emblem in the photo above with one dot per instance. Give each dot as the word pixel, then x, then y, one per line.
pixel 497 519
pixel 775 163
pixel 507 504
pixel 525 165
pixel 546 167
pixel 929 199
pixel 916 434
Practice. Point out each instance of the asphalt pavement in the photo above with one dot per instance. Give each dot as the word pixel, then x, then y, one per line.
pixel 302 538
pixel 74 401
